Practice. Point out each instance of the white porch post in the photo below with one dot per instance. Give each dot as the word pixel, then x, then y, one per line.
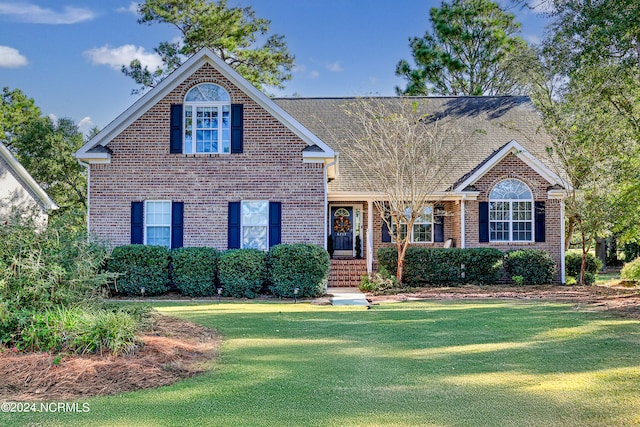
pixel 463 226
pixel 563 278
pixel 370 236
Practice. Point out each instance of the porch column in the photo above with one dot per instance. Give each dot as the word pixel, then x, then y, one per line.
pixel 463 226
pixel 563 278
pixel 369 236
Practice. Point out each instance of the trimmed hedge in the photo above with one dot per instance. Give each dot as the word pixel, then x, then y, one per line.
pixel 534 265
pixel 440 266
pixel 573 262
pixel 298 265
pixel 242 272
pixel 140 266
pixel 194 271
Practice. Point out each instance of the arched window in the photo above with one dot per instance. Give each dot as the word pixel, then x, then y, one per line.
pixel 207 109
pixel 511 212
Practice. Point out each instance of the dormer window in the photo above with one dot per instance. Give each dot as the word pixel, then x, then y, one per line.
pixel 207 123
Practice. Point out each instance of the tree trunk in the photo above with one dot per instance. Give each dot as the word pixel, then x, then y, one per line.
pixel 569 233
pixel 583 265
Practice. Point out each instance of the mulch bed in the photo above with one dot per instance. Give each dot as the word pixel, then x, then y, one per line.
pixel 173 350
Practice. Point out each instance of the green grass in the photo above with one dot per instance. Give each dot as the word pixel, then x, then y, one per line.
pixel 497 363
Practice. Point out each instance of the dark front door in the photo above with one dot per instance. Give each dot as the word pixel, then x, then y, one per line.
pixel 342 228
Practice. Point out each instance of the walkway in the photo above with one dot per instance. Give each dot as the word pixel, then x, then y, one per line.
pixel 347 296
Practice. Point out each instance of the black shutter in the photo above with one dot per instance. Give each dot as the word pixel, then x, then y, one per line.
pixel 483 221
pixel 539 215
pixel 237 133
pixel 386 236
pixel 438 224
pixel 175 137
pixel 275 227
pixel 177 224
pixel 137 223
pixel 233 241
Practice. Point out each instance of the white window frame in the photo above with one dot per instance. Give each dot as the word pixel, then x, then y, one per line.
pixel 146 225
pixel 417 222
pixel 193 107
pixel 510 203
pixel 243 225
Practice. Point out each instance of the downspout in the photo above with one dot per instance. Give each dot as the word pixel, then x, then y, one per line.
pixel 326 201
pixel 87 166
pixel 370 236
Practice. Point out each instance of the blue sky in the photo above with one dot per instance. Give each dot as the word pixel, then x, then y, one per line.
pixel 67 55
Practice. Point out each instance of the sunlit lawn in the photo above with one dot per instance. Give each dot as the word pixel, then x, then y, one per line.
pixel 489 363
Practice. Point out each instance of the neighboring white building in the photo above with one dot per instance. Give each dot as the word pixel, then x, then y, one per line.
pixel 19 191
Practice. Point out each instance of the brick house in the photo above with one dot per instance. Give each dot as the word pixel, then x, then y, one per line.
pixel 205 159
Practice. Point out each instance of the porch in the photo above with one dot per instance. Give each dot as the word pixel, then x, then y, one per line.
pixel 346 272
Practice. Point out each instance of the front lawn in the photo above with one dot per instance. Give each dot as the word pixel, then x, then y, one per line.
pixel 444 363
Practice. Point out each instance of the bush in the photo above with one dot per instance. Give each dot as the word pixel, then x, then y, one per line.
pixel 140 266
pixel 631 271
pixel 194 270
pixel 573 263
pixel 378 282
pixel 44 268
pixel 439 266
pixel 535 266
pixel 242 272
pixel 299 265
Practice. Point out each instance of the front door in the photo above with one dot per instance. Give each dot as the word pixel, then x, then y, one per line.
pixel 342 223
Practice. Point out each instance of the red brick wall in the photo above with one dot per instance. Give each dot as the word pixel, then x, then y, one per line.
pixel 270 168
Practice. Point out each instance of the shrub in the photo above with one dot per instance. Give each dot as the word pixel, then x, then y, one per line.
pixel 242 272
pixel 535 266
pixel 43 268
pixel 140 266
pixel 631 271
pixel 439 266
pixel 194 270
pixel 299 265
pixel 379 282
pixel 573 263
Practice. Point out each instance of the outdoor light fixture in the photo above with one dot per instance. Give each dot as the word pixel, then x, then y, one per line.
pixel 142 291
pixel 295 295
pixel 219 293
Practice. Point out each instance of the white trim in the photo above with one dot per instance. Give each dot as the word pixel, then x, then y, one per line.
pixel 358 232
pixel 47 202
pixel 144 219
pixel 203 56
pixel 442 196
pixel 513 147
pixel 463 225
pixel 266 225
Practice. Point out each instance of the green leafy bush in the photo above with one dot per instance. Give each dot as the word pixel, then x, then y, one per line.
pixel 298 265
pixel 43 268
pixel 573 263
pixel 378 283
pixel 194 270
pixel 140 266
pixel 242 272
pixel 534 265
pixel 631 271
pixel 439 266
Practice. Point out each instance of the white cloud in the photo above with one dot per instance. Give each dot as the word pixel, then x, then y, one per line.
pixel 11 58
pixel 334 67
pixel 132 8
pixel 299 68
pixel 116 57
pixel 85 125
pixel 53 118
pixel 313 74
pixel 532 39
pixel 374 80
pixel 31 13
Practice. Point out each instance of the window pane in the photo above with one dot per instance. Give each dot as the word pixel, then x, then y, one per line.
pixel 158 213
pixel 511 189
pixel 422 232
pixel 159 236
pixel 207 92
pixel 255 212
pixel 254 238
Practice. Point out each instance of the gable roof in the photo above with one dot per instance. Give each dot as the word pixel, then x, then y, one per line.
pixel 497 123
pixel 92 152
pixel 25 177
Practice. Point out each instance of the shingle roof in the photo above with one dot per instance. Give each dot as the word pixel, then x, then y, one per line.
pixel 499 120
